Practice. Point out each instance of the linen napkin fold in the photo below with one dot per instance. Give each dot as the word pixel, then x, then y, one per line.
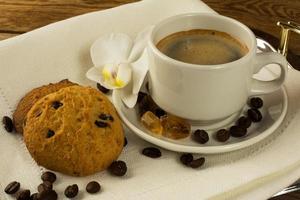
pixel 61 50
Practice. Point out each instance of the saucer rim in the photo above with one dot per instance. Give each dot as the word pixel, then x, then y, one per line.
pixel 201 149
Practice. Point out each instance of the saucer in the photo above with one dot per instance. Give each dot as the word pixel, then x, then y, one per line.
pixel 273 111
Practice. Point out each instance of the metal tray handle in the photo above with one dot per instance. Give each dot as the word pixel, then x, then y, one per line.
pixel 286 27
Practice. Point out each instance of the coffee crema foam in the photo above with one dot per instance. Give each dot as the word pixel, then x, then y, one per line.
pixel 203 47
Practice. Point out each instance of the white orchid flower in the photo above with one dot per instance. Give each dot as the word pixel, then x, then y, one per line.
pixel 120 63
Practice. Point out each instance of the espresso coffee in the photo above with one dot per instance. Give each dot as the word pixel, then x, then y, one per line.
pixel 203 47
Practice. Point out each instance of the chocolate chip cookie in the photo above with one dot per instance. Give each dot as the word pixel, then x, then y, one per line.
pixel 31 98
pixel 75 130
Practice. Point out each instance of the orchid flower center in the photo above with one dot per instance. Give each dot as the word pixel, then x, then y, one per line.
pixel 111 75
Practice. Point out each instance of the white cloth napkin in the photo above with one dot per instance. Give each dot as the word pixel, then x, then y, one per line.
pixel 61 50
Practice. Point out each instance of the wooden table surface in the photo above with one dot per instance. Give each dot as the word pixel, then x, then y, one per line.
pixel 20 16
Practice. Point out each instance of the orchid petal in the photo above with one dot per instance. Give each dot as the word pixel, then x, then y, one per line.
pixel 140 43
pixel 139 72
pixel 129 94
pixel 124 75
pixel 112 48
pixel 127 97
pixel 95 74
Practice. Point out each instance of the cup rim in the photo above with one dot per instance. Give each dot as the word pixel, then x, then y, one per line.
pixel 203 67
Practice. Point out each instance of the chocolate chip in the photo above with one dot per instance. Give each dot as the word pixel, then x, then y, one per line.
pixel 237 131
pixel 186 158
pixel 8 124
pixel 254 115
pixel 56 104
pixel 159 112
pixel 38 113
pixel 118 168
pixel 102 89
pixel 46 185
pixel 256 102
pixel 106 117
pixel 34 196
pixel 151 152
pixel 93 187
pixel 125 141
pixel 48 176
pixel 23 195
pixel 222 135
pixel 50 133
pixel 244 122
pixel 101 124
pixel 47 195
pixel 197 163
pixel 201 136
pixel 141 95
pixel 12 187
pixel 71 191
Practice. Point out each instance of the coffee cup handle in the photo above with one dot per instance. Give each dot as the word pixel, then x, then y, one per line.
pixel 261 60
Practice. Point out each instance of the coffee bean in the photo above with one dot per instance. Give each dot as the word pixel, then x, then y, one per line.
pixel 186 158
pixel 46 185
pixel 201 136
pixel 197 163
pixel 48 176
pixel 23 195
pixel 125 141
pixel 8 124
pixel 56 104
pixel 118 168
pixel 145 104
pixel 141 95
pixel 50 133
pixel 102 89
pixel 93 187
pixel 222 135
pixel 244 122
pixel 151 152
pixel 237 131
pixel 147 86
pixel 256 102
pixel 254 115
pixel 47 195
pixel 106 117
pixel 12 187
pixel 159 112
pixel 34 196
pixel 71 191
pixel 101 124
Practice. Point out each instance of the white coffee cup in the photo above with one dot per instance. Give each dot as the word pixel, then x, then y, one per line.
pixel 208 92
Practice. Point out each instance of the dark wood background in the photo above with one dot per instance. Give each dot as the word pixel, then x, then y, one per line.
pixel 20 16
